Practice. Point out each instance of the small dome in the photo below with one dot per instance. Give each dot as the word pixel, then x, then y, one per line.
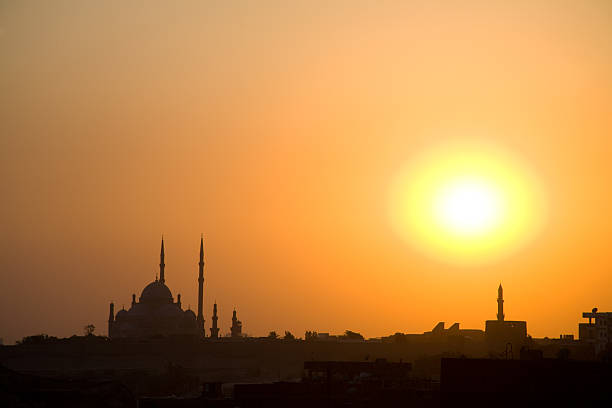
pixel 121 314
pixel 156 292
pixel 188 314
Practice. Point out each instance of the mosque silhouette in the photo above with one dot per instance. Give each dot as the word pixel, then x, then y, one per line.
pixel 157 314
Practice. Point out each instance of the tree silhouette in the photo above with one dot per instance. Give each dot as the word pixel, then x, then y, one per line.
pixel 310 335
pixel 89 329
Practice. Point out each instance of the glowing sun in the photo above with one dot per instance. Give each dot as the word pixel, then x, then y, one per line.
pixel 468 206
pixel 466 203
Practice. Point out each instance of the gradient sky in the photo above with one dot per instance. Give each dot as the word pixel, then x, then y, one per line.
pixel 276 128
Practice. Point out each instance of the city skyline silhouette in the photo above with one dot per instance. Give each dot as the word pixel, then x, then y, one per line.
pixel 305 204
pixel 284 141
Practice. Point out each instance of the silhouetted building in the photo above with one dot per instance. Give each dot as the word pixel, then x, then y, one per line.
pixel 18 389
pixel 236 328
pixel 324 337
pixel 353 370
pixel 504 334
pixel 439 330
pixel 534 382
pixel 214 330
pixel 341 384
pixel 156 312
pixel 599 333
pixel 453 334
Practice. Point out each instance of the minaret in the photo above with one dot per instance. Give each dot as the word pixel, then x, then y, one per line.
pixel 162 265
pixel 111 319
pixel 214 330
pixel 234 324
pixel 500 303
pixel 236 329
pixel 200 318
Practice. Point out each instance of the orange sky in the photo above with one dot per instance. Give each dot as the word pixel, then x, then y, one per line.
pixel 276 128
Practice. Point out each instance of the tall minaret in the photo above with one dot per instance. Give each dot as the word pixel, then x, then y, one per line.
pixel 201 287
pixel 162 265
pixel 111 319
pixel 500 303
pixel 214 330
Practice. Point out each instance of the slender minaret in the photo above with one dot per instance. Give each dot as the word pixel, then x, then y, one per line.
pixel 214 330
pixel 201 287
pixel 236 328
pixel 162 265
pixel 500 303
pixel 111 319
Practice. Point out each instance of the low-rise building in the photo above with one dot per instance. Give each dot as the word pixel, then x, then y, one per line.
pixel 505 335
pixel 597 332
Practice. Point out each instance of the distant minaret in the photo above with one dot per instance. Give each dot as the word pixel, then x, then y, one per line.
pixel 236 329
pixel 162 265
pixel 111 319
pixel 214 330
pixel 201 288
pixel 500 303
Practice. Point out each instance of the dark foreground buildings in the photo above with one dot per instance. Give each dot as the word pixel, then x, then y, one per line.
pixel 525 383
pixel 21 390
pixel 464 382
pixel 598 333
pixel 342 384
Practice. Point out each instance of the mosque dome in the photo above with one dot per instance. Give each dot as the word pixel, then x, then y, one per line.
pixel 188 322
pixel 121 314
pixel 156 292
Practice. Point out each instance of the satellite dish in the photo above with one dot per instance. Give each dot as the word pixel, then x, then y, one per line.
pixel 594 310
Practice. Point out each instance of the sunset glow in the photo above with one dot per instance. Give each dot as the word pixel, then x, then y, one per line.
pixel 363 165
pixel 466 203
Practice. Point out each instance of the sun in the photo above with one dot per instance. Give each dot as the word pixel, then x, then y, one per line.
pixel 466 203
pixel 468 206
